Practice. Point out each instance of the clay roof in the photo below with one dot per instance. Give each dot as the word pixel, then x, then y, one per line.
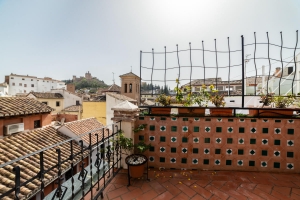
pixel 21 144
pixel 73 108
pixel 83 126
pixel 3 84
pixel 12 106
pixel 129 74
pixel 121 97
pixel 46 95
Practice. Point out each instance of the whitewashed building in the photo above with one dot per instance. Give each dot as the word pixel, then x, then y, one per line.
pixel 22 84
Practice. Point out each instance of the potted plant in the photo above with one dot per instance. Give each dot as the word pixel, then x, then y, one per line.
pixel 135 161
pixel 203 97
pixel 165 101
pixel 266 99
pixel 219 101
pixel 279 102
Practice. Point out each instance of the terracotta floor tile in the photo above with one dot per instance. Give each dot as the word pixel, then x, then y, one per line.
pixel 181 196
pixel 217 184
pixel 188 182
pixel 296 183
pixel 146 187
pixel 296 191
pixel 200 177
pixel 265 188
pixel 215 197
pixel 157 187
pixel 248 186
pixel 248 194
pixel 171 188
pixel 234 194
pixel 284 183
pixel 186 190
pixel 284 177
pixel 147 196
pixel 264 194
pixel 117 192
pixel 221 178
pixel 164 196
pixel 283 190
pixel 202 183
pixel 217 192
pixel 121 181
pixel 197 197
pixel 295 196
pixel 230 185
pixel 278 195
pixel 132 194
pixel 201 191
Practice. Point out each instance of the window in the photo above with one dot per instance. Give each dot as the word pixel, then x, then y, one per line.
pixel 20 84
pixel 130 88
pixel 32 85
pixel 57 103
pixel 11 77
pixel 217 151
pixel 13 84
pixel 24 91
pixel 77 103
pixel 45 102
pixel 37 123
pixel 31 79
pixel 25 85
pixel 125 87
pixel 23 79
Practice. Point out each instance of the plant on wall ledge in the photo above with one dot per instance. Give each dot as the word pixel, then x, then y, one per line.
pixel 284 102
pixel 216 98
pixel 203 97
pixel 266 99
pixel 140 128
pixel 163 100
pixel 181 98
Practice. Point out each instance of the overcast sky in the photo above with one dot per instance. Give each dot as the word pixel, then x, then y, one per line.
pixel 59 39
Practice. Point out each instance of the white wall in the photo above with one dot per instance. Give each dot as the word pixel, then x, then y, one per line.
pixel 69 98
pixel 39 84
pixel 4 90
pixel 110 102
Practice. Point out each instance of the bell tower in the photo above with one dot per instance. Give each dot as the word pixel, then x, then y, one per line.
pixel 130 86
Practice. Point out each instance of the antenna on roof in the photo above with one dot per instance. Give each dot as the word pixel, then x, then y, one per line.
pixel 131 69
pixel 114 78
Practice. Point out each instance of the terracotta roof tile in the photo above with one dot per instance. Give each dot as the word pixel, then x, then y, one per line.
pixel 73 108
pixel 129 74
pixel 121 97
pixel 86 125
pixel 11 106
pixel 46 95
pixel 22 144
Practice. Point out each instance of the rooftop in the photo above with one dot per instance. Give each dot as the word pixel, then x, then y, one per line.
pixel 46 95
pixel 73 108
pixel 24 143
pixel 121 97
pixel 12 106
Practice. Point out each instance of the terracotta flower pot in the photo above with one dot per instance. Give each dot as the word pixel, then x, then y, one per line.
pixel 220 112
pixel 275 112
pixel 136 168
pixel 191 111
pixel 161 110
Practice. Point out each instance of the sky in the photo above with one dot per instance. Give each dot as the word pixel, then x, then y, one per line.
pixel 59 39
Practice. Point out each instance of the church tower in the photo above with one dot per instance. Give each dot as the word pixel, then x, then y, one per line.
pixel 130 86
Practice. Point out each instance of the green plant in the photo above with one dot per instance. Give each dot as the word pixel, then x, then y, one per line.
pixel 140 128
pixel 163 99
pixel 266 99
pixel 283 102
pixel 179 92
pixel 203 97
pixel 186 100
pixel 216 98
pixel 241 115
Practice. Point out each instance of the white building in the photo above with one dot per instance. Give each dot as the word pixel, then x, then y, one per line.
pixel 70 98
pixel 20 84
pixel 3 89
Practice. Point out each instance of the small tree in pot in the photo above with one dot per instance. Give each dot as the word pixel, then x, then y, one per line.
pixel 135 161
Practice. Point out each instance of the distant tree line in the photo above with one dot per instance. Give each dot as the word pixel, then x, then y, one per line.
pixel 161 89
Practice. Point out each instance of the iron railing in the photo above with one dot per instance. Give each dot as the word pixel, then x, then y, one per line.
pixel 101 170
pixel 151 69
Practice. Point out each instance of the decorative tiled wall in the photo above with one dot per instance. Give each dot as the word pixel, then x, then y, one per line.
pixel 242 144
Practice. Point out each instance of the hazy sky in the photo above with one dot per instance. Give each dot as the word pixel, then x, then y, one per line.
pixel 60 39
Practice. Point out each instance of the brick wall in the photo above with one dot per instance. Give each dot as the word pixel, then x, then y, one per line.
pixel 249 144
pixel 68 117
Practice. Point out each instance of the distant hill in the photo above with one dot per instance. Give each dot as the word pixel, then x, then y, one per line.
pixel 87 83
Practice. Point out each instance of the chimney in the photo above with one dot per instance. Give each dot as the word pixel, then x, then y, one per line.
pixel 277 72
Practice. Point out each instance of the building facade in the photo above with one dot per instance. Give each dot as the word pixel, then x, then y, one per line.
pixel 130 86
pixel 20 84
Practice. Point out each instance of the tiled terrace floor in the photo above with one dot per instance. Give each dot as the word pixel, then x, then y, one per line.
pixel 197 185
